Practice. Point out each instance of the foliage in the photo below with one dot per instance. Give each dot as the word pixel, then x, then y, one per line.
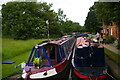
pixel 83 29
pixel 118 46
pixel 70 26
pixel 107 12
pixel 110 39
pixel 24 20
pixel 91 22
pixel 21 20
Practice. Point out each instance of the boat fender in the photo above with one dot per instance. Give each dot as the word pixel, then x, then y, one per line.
pixel 23 64
pixel 45 73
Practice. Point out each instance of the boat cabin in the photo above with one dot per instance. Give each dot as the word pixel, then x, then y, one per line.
pixel 48 54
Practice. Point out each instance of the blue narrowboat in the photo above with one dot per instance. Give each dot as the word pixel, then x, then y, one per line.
pixel 49 60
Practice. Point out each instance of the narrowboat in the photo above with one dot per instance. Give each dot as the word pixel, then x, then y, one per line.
pixel 50 60
pixel 88 60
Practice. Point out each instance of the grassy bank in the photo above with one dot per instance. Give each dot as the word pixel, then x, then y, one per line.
pixel 12 48
pixel 8 69
pixel 115 57
pixel 16 50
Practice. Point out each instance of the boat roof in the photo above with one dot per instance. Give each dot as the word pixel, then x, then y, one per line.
pixel 84 42
pixel 80 41
pixel 58 41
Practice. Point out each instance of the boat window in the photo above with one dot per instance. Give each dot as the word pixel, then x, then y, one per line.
pixel 52 52
pixel 66 46
pixel 40 57
pixel 62 52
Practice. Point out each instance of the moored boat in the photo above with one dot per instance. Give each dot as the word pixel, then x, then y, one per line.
pixel 88 60
pixel 50 60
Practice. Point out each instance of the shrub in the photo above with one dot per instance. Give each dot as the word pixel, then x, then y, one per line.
pixel 110 39
pixel 118 46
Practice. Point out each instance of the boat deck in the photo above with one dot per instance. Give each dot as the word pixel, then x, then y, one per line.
pixel 84 42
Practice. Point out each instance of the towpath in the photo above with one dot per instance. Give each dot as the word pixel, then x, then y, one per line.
pixel 110 47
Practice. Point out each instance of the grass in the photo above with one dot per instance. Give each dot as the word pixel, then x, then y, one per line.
pixel 8 69
pixel 115 57
pixel 16 50
pixel 12 48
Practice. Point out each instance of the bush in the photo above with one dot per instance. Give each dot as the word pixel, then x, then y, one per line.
pixel 118 46
pixel 110 39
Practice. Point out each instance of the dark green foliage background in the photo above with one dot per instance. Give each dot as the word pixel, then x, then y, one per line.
pixel 110 39
pixel 108 12
pixel 102 13
pixel 91 22
pixel 25 20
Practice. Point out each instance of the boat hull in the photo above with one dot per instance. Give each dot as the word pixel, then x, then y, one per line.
pixel 77 76
pixel 88 61
pixel 64 74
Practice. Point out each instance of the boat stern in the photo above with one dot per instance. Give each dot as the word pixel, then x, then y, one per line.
pixel 39 74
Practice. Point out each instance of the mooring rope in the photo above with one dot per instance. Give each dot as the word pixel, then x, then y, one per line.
pixel 111 76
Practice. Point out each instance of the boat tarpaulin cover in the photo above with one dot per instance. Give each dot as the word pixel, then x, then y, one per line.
pixel 83 58
pixel 8 62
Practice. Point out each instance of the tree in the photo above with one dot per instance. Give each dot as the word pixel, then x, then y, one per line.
pixel 107 12
pixel 70 27
pixel 91 22
pixel 23 20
